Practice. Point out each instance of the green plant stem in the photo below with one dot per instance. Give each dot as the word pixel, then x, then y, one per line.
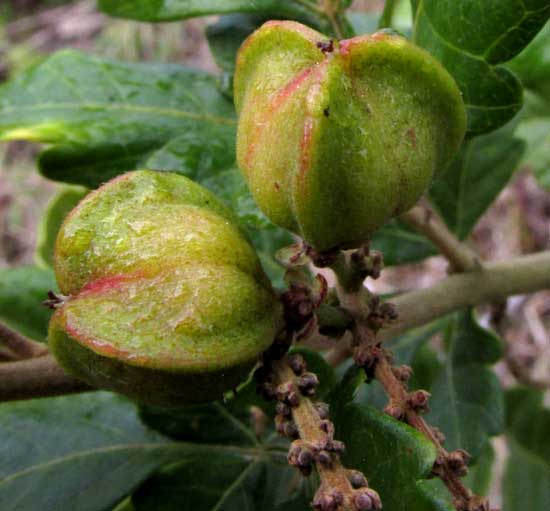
pixel 36 377
pixel 19 346
pixel 330 10
pixel 387 14
pixel 424 220
pixel 495 282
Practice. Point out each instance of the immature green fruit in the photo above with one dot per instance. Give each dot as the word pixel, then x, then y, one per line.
pixel 336 138
pixel 168 303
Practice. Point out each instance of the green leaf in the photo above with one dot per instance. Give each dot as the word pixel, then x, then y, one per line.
pixel 475 177
pixel 82 452
pixel 480 473
pixel 167 10
pixel 22 291
pixel 212 422
pixel 226 36
pixel 527 477
pixel 532 65
pixel 105 117
pixel 471 39
pixel 467 401
pixel 395 458
pixel 224 482
pixel 534 129
pixel 58 208
pixel 536 135
pixel 401 245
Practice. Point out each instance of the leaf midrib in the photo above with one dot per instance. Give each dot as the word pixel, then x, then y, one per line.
pixel 252 452
pixel 168 112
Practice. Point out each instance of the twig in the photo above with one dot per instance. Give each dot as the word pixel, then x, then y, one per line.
pixel 36 377
pixel 330 9
pixel 424 220
pixel 387 15
pixel 449 466
pixel 19 345
pixel 308 425
pixel 369 317
pixel 495 282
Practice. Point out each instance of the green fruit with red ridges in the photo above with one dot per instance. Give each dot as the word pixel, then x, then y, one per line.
pixel 336 138
pixel 167 301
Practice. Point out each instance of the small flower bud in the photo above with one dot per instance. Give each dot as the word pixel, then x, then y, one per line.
pixel 297 363
pixel 458 462
pixel 328 427
pixel 324 458
pixel 418 401
pixel 357 479
pixel 403 373
pixel 322 409
pixel 308 383
pixel 293 399
pixel 290 429
pixel 367 500
pixel 362 502
pixel 283 409
pixel 336 446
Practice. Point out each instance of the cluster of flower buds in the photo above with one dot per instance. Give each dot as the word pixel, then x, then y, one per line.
pixel 380 314
pixel 300 302
pixel 457 461
pixel 360 497
pixel 319 447
pixel 367 262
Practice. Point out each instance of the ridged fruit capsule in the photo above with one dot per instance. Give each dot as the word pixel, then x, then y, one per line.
pixel 336 138
pixel 167 301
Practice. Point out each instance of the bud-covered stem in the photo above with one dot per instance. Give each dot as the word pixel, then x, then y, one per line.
pixel 340 489
pixel 369 318
pixel 448 466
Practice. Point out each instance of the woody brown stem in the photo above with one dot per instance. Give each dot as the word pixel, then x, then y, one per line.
pixel 403 405
pixel 400 399
pixel 19 346
pixel 36 377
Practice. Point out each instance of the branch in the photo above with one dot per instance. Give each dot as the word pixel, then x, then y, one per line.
pixel 424 220
pixel 18 345
pixel 307 424
pixel 36 377
pixel 406 406
pixel 369 317
pixel 494 282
